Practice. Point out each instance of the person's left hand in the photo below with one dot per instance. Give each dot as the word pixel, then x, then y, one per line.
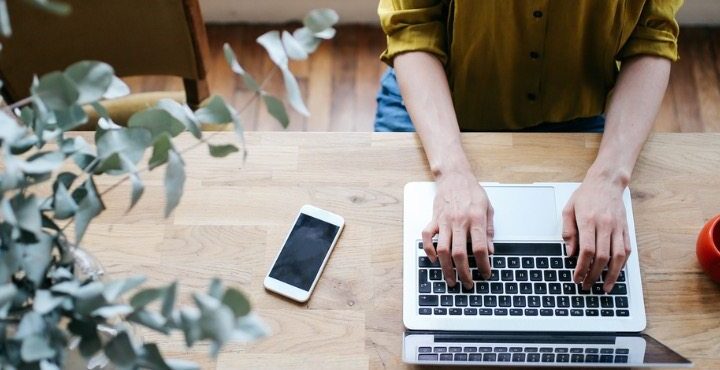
pixel 595 218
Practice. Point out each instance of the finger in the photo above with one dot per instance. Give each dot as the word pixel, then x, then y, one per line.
pixel 427 234
pixel 443 251
pixel 490 229
pixel 617 260
pixel 570 232
pixel 459 255
pixel 626 240
pixel 478 235
pixel 587 250
pixel 602 255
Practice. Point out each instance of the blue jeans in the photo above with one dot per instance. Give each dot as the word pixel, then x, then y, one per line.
pixel 392 116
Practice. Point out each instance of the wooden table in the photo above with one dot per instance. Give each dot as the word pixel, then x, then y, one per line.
pixel 233 218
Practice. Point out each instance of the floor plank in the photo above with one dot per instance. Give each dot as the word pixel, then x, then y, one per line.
pixel 340 80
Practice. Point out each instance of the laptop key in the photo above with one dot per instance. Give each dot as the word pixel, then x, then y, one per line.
pixel 531 349
pixel 531 312
pixel 425 311
pixel 606 302
pixel 526 288
pixel 597 288
pixel 496 288
pixel 563 301
pixel 621 302
pixel 550 275
pixel 461 300
pixel 470 311
pixel 555 288
pixel 455 349
pixel 592 302
pixel 607 313
pixel 556 262
pixel 494 275
pixel 607 351
pixel 561 350
pixel 423 275
pixel 475 357
pixel 485 349
pixel 518 357
pixel 469 349
pixel 606 358
pixel 528 262
pixel 467 290
pixel 475 301
pixel 536 275
pixel 461 357
pixel 546 312
pixel 482 288
pixel 456 311
pixel 621 359
pixel 484 311
pixel 533 301
pixel 498 262
pixel 454 289
pixel 521 275
pixel 501 312
pixel 446 300
pixel 440 311
pixel 577 358
pixel 490 357
pixel 515 349
pixel 446 357
pixel 500 349
pixel 619 289
pixel 577 302
pixel 545 349
pixel 476 275
pixel 592 358
pixel 504 357
pixel 568 288
pixel 519 301
pixel 583 291
pixel 540 288
pixel 576 350
pixel 561 312
pixel 435 274
pixel 562 357
pixel 533 357
pixel 490 301
pixel 507 275
pixel 425 288
pixel 440 349
pixel 511 288
pixel 504 301
pixel 576 312
pixel 427 357
pixel 548 357
pixel 542 262
pixel 424 349
pixel 513 262
pixel 592 313
pixel 622 351
pixel 570 262
pixel 548 301
pixel 516 312
pixel 427 300
pixel 439 287
pixel 565 275
pixel 425 262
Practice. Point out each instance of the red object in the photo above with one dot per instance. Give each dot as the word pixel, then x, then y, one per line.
pixel 708 248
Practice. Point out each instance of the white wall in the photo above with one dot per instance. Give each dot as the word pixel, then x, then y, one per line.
pixel 697 12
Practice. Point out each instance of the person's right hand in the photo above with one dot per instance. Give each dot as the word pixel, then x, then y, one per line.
pixel 461 208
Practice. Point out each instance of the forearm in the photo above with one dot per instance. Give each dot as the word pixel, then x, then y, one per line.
pixel 426 94
pixel 632 109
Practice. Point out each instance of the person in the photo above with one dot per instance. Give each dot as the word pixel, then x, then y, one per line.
pixel 521 65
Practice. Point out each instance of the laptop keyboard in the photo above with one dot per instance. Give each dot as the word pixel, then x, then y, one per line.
pixel 528 279
pixel 558 354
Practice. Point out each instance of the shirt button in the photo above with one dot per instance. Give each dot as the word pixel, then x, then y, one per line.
pixel 537 14
pixel 534 55
pixel 531 96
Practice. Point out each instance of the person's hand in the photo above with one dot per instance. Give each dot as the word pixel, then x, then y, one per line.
pixel 461 208
pixel 595 218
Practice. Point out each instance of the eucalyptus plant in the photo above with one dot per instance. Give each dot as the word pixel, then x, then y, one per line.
pixel 50 299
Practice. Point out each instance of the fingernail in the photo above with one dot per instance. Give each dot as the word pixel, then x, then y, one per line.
pixel 487 276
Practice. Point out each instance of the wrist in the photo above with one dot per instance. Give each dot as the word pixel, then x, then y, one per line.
pixel 450 166
pixel 614 175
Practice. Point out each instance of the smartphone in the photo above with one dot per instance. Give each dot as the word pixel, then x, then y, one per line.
pixel 297 267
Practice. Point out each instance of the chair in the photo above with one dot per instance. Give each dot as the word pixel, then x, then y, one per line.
pixel 136 37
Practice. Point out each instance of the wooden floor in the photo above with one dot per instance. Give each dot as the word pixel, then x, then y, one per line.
pixel 341 79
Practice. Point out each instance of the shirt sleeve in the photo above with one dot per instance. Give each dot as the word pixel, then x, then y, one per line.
pixel 413 25
pixel 656 32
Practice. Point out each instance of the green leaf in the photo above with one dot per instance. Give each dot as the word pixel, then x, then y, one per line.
pixel 157 121
pixel 115 289
pixel 90 206
pixel 276 108
pixel 293 93
pixel 174 181
pixel 293 47
pixel 108 312
pixel 220 151
pixel 183 114
pixel 190 325
pixel 25 213
pixel 117 89
pixel 35 257
pixel 161 147
pixel 63 205
pixel 274 47
pixel 318 20
pixel 56 91
pixel 240 133
pixel 45 302
pixel 103 113
pixel 168 302
pixel 215 289
pixel 237 302
pixel 307 39
pixel 129 141
pixel 92 79
pixel 248 80
pixel 10 130
pixel 90 345
pixel 42 162
pixel 215 111
pixel 7 293
pixel 151 320
pixel 152 358
pixel 70 118
pixel 67 287
pixel 5 29
pixel 137 189
pixel 176 364
pixel 54 7
pixel 121 351
pixel 35 348
pixel 31 323
pixel 145 297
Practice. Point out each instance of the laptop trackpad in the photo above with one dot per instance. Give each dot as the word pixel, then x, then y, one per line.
pixel 527 212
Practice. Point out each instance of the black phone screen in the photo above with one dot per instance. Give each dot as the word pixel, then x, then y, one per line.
pixel 304 252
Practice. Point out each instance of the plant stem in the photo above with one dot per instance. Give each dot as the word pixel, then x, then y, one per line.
pixel 17 104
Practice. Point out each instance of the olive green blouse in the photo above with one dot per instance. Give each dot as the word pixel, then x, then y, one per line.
pixel 513 64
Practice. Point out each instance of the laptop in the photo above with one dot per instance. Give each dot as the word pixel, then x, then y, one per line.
pixel 530 312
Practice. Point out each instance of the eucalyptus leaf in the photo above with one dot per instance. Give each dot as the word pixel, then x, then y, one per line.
pixel 56 91
pixel 215 289
pixel 102 112
pixel 35 257
pixel 25 210
pixel 161 147
pixel 176 364
pixel 42 162
pixel 63 205
pixel 174 181
pixel 293 47
pixel 10 130
pixel 318 20
pixel 92 79
pixel 67 287
pixel 151 320
pixel 248 80
pixel 137 189
pixel 90 206
pixel 183 114
pixel 115 289
pixel 220 151
pixel 190 325
pixel 293 93
pixel 55 7
pixel 307 39
pixel 117 89
pixel 31 323
pixel 237 302
pixel 157 121
pixel 276 108
pixel 7 292
pixel 131 141
pixel 274 47
pixel 121 351
pixel 35 348
pixel 112 311
pixel 107 123
pixel 326 34
pixel 145 297
pixel 90 345
pixel 168 302
pixel 152 358
pixel 215 111
pixel 5 28
pixel 45 302
pixel 70 118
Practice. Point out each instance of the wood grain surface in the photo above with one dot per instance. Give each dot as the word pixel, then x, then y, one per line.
pixel 234 216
